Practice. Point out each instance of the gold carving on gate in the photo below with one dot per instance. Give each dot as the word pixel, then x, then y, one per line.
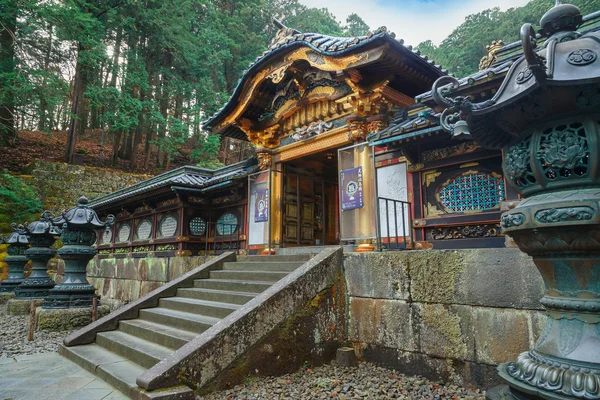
pixel 316 60
pixel 376 124
pixel 432 211
pixel 430 176
pixel 357 129
pixel 414 167
pixel 471 164
pixel 278 75
pixel 332 139
pixel 267 138
pixel 264 160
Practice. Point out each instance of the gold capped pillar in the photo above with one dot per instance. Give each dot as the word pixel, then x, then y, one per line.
pixel 265 188
pixel 358 215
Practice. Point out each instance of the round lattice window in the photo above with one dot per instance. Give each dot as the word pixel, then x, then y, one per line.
pixel 144 230
pixel 473 192
pixel 227 224
pixel 124 233
pixel 168 226
pixel 197 226
pixel 107 236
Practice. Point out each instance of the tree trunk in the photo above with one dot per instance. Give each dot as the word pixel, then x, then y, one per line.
pixel 162 127
pixel 115 148
pixel 115 62
pixel 45 121
pixel 77 108
pixel 7 68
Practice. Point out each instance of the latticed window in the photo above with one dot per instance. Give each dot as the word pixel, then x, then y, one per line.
pixel 227 224
pixel 477 191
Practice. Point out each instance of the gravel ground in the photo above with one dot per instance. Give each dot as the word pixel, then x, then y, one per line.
pixel 326 382
pixel 13 337
pixel 331 382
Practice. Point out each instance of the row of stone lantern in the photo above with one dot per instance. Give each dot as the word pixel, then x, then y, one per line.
pixel 77 228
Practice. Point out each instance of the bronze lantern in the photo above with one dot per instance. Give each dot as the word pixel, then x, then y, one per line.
pixel 78 227
pixel 546 119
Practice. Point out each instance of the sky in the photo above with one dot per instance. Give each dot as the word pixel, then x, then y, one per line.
pixel 412 20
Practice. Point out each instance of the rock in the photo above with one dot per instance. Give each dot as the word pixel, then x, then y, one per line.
pixel 346 357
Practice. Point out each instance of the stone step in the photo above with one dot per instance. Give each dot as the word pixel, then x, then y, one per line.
pixel 232 285
pixel 265 276
pixel 225 296
pixel 279 266
pixel 158 333
pixel 275 257
pixel 178 319
pixel 107 365
pixel 144 352
pixel 213 309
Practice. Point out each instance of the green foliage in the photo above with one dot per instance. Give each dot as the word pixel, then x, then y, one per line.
pixel 355 26
pixel 205 153
pixel 178 61
pixel 18 201
pixel 462 50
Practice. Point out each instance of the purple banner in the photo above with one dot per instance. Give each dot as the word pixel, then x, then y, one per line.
pixel 261 205
pixel 352 188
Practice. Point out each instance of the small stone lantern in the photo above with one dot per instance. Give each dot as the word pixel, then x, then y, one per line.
pixel 16 260
pixel 546 119
pixel 78 227
pixel 41 236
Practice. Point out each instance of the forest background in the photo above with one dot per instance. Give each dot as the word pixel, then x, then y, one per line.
pixel 131 80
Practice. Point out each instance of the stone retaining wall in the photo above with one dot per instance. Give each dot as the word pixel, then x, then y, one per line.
pixel 451 315
pixel 59 185
pixel 121 280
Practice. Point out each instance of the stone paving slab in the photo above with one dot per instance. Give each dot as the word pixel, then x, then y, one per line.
pixel 26 377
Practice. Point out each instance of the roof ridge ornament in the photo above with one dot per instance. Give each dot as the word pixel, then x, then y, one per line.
pixel 491 57
pixel 283 32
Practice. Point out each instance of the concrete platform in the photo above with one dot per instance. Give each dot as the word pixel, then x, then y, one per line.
pixel 22 306
pixel 6 296
pixel 66 319
pixel 51 376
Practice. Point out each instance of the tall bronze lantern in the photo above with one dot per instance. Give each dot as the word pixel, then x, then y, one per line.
pixel 41 236
pixel 546 118
pixel 78 233
pixel 18 242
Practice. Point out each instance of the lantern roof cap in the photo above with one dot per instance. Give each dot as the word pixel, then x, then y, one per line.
pixel 82 216
pixel 18 237
pixel 42 226
pixel 561 17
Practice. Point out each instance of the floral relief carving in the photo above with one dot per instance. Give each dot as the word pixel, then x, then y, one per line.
pixel 563 148
pixel 517 160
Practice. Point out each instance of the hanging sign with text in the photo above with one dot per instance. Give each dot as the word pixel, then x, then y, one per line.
pixel 352 188
pixel 261 205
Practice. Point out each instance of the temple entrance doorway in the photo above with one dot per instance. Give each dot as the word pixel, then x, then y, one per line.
pixel 310 200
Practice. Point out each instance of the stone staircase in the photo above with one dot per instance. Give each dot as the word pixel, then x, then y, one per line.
pixel 122 355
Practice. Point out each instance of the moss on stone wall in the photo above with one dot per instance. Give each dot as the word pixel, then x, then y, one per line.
pixel 55 187
pixel 59 185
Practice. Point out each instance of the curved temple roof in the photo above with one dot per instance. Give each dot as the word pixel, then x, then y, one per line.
pixel 188 176
pixel 288 39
